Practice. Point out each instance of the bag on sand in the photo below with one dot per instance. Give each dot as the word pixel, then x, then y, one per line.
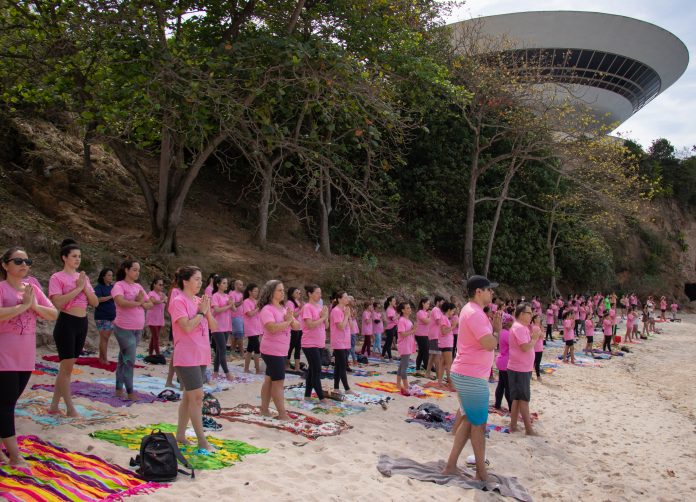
pixel 155 359
pixel 159 458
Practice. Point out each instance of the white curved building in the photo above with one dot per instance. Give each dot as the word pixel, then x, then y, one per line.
pixel 614 64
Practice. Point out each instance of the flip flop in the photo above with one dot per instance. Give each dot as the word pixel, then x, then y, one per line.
pixel 204 452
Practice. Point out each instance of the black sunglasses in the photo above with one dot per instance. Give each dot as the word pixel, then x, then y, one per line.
pixel 19 261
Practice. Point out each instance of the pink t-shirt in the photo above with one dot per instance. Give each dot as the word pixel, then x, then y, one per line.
pixel 520 360
pixel 536 306
pixel 190 349
pixel 377 327
pixel 663 304
pixel 406 345
pixel 62 283
pixel 155 315
pixel 501 361
pixel 237 297
pixel 353 326
pixel 472 359
pixel 606 327
pixel 392 317
pixel 366 323
pixel 589 327
pixel 340 337
pixel 434 324
pixel 674 307
pixel 316 336
pixel 629 320
pixel 612 316
pixel 549 316
pixel 446 340
pixel 223 319
pixel 18 334
pixel 582 312
pixel 252 324
pixel 278 343
pixel 539 345
pixel 422 328
pixel 128 317
pixel 554 307
pixel 209 291
pixel 568 333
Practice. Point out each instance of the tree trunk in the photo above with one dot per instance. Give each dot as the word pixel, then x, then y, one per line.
pixel 264 205
pixel 496 218
pixel 551 245
pixel 470 213
pixel 90 129
pixel 325 210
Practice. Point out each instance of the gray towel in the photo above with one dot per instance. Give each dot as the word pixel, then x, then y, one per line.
pixel 432 471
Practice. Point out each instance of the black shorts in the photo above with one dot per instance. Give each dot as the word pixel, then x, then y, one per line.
pixel 70 333
pixel 253 344
pixel 275 367
pixel 519 383
pixel 569 343
pixel 190 377
pixel 590 339
pixel 445 349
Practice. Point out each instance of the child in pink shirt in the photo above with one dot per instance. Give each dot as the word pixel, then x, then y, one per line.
pixel 252 327
pixel 221 304
pixel 367 330
pixel 629 325
pixel 446 345
pixel 674 307
pixel 538 345
pixel 406 345
pixel 606 328
pixel 568 337
pixel 154 317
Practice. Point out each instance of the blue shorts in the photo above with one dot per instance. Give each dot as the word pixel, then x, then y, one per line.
pixel 104 325
pixel 238 327
pixel 473 397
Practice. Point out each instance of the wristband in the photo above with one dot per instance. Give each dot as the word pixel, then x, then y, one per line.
pixel 200 313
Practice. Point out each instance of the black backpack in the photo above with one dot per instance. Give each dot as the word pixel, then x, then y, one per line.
pixel 159 458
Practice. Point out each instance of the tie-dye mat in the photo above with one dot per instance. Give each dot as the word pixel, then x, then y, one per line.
pixel 391 387
pixel 227 451
pixel 56 473
pixel 34 406
pixel 100 392
pixel 90 361
pixel 294 396
pixel 154 385
pixel 50 369
pixel 301 424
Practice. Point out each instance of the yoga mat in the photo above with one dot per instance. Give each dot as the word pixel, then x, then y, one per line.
pixel 227 451
pixel 295 398
pixel 35 407
pixel 301 424
pixel 393 389
pixel 60 474
pixel 432 472
pixel 100 392
pixel 51 369
pixel 90 361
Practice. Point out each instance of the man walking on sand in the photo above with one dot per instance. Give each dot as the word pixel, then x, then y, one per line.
pixel 476 344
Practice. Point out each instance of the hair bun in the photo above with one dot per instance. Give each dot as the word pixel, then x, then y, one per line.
pixel 67 242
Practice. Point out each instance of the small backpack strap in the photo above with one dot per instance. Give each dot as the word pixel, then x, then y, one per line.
pixel 179 456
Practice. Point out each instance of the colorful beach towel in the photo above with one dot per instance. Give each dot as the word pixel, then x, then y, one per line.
pixel 34 407
pixel 61 474
pixel 155 385
pixel 393 389
pixel 51 369
pixel 301 424
pixel 294 395
pixel 90 361
pixel 227 451
pixel 100 392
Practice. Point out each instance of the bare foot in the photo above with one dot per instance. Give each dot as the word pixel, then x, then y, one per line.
pixel 514 429
pixel 3 458
pixel 206 445
pixel 170 384
pixel 55 411
pixel 284 417
pixel 258 371
pixel 183 441
pixel 230 377
pixel 18 462
pixel 265 413
pixel 73 413
pixel 450 471
pixel 131 397
pixel 247 371
pixel 120 393
pixel 532 432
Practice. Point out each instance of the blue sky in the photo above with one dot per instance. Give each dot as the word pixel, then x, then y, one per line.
pixel 672 114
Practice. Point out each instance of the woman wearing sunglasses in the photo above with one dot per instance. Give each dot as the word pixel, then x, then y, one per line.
pixel 21 302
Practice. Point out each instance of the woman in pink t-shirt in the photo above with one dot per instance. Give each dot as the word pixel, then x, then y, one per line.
pixel 191 320
pixel 539 345
pixel 390 331
pixel 406 345
pixel 277 321
pixel 446 344
pixel 377 327
pixel 606 329
pixel 222 305
pixel 629 325
pixel 131 302
pixel 21 303
pixel 294 303
pixel 366 330
pixel 154 318
pixel 252 327
pixel 71 293
pixel 569 337
pixel 339 333
pixel 434 356
pixel 521 363
pixel 313 316
pixel 422 330
pixel 503 387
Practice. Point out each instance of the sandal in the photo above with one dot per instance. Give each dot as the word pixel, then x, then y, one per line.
pixel 169 395
pixel 211 425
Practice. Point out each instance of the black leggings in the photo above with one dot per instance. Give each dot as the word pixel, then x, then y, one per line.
pixel 422 357
pixel 503 388
pixel 386 349
pixel 220 340
pixel 12 384
pixel 340 368
pixel 295 344
pixel 607 343
pixel 549 332
pixel 537 363
pixel 313 378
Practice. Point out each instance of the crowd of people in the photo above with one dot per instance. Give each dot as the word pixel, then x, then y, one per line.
pixel 453 344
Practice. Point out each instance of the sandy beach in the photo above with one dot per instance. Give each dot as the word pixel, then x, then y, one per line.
pixel 622 431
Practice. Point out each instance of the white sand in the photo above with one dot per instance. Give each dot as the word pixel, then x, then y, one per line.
pixel 625 431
